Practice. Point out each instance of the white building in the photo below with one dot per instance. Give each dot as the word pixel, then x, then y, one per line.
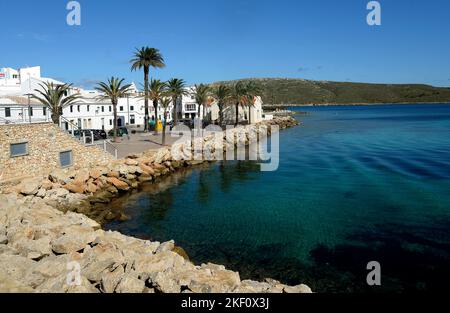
pixel 87 113
pixel 91 113
pixel 188 109
pixel 14 109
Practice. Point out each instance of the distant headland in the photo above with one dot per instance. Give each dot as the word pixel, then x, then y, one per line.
pixel 292 92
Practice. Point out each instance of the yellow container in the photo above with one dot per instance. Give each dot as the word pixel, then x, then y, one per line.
pixel 159 126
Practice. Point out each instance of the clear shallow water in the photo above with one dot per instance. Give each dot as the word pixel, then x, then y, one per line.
pixel 355 184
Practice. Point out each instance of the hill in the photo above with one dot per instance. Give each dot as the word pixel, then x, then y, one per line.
pixel 300 91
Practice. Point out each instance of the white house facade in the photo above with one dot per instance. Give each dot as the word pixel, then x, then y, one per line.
pixel 88 112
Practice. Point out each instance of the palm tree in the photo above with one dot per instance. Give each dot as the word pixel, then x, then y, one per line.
pixel 113 90
pixel 201 94
pixel 252 92
pixel 222 95
pixel 239 96
pixel 165 103
pixel 157 93
pixel 145 58
pixel 176 89
pixel 55 98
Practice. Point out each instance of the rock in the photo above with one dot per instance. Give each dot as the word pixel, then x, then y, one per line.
pixel 91 188
pixel 60 176
pixel 131 162
pixel 33 249
pixel 10 285
pixel 115 174
pixel 130 284
pixel 180 251
pixel 75 239
pixel 147 169
pixel 74 188
pixel 81 177
pixel 110 280
pixel 95 173
pixel 297 289
pixel 41 193
pixel 59 192
pixel 60 284
pixel 118 183
pixel 30 186
pixel 158 262
pixel 166 246
pixel 145 178
pixel 3 240
pixel 47 184
pixel 165 282
pixel 162 155
pixel 66 244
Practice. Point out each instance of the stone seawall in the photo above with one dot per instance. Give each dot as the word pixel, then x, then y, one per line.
pixel 41 235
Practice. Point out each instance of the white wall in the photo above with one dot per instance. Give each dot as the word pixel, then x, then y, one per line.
pixel 20 113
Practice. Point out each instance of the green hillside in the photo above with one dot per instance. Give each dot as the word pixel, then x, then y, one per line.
pixel 300 91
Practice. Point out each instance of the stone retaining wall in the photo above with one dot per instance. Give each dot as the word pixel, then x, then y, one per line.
pixel 45 142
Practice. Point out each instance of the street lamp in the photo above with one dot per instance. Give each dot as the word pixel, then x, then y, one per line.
pixel 29 106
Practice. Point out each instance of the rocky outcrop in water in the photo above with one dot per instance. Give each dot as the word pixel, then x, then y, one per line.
pixel 45 250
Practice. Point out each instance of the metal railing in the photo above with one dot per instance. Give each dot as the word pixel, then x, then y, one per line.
pixel 105 145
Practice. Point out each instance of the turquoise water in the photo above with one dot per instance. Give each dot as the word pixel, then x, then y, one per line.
pixel 355 184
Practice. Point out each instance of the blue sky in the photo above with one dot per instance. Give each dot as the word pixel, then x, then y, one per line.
pixel 211 40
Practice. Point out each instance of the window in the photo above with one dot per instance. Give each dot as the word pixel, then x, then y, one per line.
pixel 18 149
pixel 44 111
pixel 78 108
pixel 132 119
pixel 190 107
pixel 71 108
pixel 121 108
pixel 7 112
pixel 110 122
pixel 88 107
pixel 103 108
pixel 65 158
pixel 131 108
pixel 15 76
pixel 30 111
pixel 110 109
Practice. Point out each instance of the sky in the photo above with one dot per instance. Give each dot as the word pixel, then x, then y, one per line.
pixel 213 40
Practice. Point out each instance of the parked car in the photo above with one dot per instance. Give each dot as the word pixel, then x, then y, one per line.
pixel 99 134
pixel 188 122
pixel 121 131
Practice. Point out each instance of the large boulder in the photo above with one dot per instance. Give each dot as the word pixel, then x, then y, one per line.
pixel 30 186
pixel 75 188
pixel 130 284
pixel 118 183
pixel 60 176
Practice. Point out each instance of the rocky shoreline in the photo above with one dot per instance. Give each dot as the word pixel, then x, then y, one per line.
pixel 48 244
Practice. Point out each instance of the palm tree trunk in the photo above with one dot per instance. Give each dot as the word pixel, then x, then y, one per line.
pixel 55 118
pixel 164 130
pixel 220 113
pixel 237 114
pixel 114 103
pixel 174 115
pixel 155 106
pixel 146 117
